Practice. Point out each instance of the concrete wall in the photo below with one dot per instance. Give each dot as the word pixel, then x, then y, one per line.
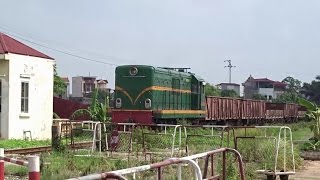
pixel 4 114
pixel 77 86
pixel 231 87
pixel 266 91
pixel 39 73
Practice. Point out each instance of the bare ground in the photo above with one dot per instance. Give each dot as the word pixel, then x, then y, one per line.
pixel 310 171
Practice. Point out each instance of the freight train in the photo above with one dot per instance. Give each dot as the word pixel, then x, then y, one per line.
pixel 147 95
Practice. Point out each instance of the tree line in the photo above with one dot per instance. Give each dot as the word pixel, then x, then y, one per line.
pixel 295 90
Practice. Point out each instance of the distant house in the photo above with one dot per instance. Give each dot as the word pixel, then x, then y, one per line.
pixel 83 86
pixel 230 86
pixel 102 84
pixel 263 86
pixel 26 91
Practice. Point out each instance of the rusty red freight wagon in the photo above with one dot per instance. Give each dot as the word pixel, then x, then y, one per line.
pixel 222 108
pixel 282 111
pixel 274 111
pixel 291 111
pixel 253 109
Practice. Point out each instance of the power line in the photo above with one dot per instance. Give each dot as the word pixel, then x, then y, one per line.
pixel 55 49
pixel 68 49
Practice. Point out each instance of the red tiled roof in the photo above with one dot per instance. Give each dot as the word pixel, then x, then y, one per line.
pixel 233 84
pixel 10 45
pixel 101 81
pixel 279 84
pixel 262 80
pixel 266 80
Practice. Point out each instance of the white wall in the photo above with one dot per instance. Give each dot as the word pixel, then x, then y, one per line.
pixel 68 90
pixel 77 86
pixel 39 73
pixel 4 114
pixel 266 91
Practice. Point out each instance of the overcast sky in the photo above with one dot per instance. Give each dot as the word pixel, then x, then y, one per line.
pixel 265 38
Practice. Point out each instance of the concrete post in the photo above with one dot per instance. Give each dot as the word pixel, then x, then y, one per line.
pixel 55 141
pixel 1 164
pixel 34 167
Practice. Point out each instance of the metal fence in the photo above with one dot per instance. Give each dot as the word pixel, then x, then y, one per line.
pixel 271 147
pixel 160 166
pixel 267 149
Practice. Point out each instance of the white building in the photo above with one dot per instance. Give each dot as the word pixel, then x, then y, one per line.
pixel 263 86
pixel 84 85
pixel 230 86
pixel 26 91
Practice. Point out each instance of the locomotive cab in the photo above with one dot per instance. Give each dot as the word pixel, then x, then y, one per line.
pixel 133 100
pixel 145 94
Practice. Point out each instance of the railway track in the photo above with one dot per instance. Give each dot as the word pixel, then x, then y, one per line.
pixel 43 149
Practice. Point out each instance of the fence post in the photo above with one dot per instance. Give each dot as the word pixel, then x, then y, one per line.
pixel 34 167
pixel 179 171
pixel 1 164
pixel 55 141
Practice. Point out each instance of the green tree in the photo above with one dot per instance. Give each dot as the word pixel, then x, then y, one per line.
pixel 59 86
pixel 292 93
pixel 211 90
pixel 287 97
pixel 229 93
pixel 97 111
pixel 259 97
pixel 101 95
pixel 312 90
pixel 293 85
pixel 313 113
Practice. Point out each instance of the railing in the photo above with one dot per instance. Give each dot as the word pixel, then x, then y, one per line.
pixel 277 160
pixel 279 137
pixel 120 174
pixel 213 136
pixel 33 165
pixel 167 130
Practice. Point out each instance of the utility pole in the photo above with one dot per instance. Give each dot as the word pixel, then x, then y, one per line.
pixel 230 67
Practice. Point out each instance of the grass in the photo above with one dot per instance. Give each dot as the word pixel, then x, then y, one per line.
pixel 67 165
pixel 16 143
pixel 16 170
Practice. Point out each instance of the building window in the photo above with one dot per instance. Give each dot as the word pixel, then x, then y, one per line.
pixel 24 97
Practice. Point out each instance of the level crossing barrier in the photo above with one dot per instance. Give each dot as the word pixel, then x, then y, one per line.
pixel 33 165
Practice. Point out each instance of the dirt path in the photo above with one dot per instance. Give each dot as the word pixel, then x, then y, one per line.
pixel 311 171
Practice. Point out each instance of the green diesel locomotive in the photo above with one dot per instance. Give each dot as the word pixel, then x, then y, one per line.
pixel 147 95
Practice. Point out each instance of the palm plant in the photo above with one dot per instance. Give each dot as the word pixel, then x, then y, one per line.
pixel 313 113
pixel 97 111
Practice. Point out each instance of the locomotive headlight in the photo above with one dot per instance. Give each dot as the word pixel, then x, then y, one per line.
pixel 133 71
pixel 147 103
pixel 118 103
